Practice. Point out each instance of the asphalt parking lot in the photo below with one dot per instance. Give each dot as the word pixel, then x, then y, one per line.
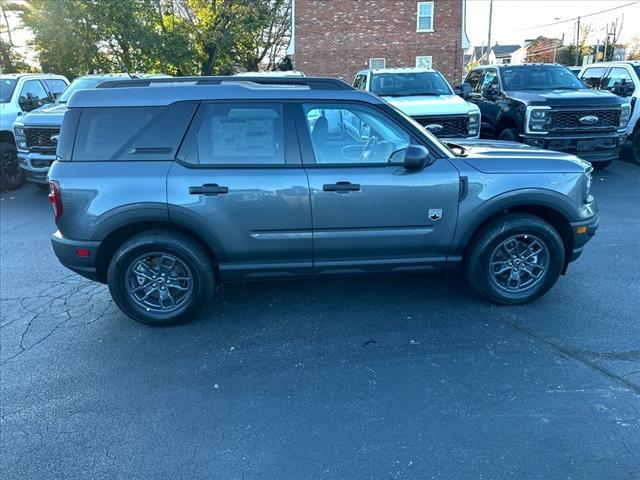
pixel 383 377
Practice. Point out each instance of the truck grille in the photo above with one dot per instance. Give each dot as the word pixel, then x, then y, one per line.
pixel 570 119
pixel 39 139
pixel 451 126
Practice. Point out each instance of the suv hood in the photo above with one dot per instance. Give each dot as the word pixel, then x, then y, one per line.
pixel 494 156
pixel 424 105
pixel 566 98
pixel 47 115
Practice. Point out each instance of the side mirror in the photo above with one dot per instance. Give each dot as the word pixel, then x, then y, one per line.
pixel 27 103
pixel 623 89
pixel 417 157
pixel 463 91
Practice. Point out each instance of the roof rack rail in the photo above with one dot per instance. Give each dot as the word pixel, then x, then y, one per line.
pixel 314 83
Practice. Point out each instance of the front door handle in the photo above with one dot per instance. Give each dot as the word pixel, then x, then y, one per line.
pixel 341 187
pixel 208 189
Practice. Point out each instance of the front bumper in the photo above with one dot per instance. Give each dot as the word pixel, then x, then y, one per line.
pixel 67 252
pixel 583 231
pixel 591 147
pixel 36 165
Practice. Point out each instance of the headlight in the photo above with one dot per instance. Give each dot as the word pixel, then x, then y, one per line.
pixel 473 124
pixel 625 113
pixel 539 120
pixel 587 187
pixel 21 138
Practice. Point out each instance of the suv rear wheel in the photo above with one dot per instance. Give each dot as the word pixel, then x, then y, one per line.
pixel 635 147
pixel 11 175
pixel 161 278
pixel 514 259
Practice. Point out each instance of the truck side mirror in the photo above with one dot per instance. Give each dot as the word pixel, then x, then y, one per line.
pixel 28 103
pixel 463 91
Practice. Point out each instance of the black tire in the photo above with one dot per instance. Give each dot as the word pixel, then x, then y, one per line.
pixel 191 260
pixel 11 175
pixel 487 241
pixel 635 147
pixel 509 135
pixel 601 165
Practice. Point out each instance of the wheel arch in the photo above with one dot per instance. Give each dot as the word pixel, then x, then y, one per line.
pixel 6 136
pixel 558 215
pixel 121 231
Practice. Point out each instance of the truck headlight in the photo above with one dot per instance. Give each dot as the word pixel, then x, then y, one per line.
pixel 473 124
pixel 625 113
pixel 21 138
pixel 587 187
pixel 540 120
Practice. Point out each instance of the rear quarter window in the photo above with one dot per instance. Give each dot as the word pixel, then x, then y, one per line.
pixel 131 133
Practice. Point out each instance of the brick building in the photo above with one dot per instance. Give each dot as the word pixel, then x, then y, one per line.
pixel 339 37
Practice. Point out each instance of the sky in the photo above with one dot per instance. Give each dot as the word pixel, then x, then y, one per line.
pixel 513 19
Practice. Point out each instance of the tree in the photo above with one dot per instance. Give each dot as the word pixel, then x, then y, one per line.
pixel 74 37
pixel 633 47
pixel 11 60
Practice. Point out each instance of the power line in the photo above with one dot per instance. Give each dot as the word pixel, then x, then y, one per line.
pixel 572 19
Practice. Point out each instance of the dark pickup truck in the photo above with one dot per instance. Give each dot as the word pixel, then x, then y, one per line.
pixel 546 106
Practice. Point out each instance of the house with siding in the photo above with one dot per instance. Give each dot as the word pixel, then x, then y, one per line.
pixel 338 38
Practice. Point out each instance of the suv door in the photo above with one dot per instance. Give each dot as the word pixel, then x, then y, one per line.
pixel 239 176
pixel 369 213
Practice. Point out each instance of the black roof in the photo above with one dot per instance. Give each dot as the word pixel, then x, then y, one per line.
pixel 504 50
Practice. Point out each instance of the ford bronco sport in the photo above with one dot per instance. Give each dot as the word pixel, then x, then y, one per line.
pixel 546 106
pixel 164 188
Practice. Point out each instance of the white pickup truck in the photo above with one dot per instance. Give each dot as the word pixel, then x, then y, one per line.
pixel 424 95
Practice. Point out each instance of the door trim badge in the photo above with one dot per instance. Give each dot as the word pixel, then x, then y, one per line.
pixel 435 214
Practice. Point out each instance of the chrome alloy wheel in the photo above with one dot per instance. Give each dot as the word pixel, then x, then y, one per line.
pixel 159 282
pixel 519 263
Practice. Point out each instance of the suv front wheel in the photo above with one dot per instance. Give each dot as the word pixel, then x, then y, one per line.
pixel 514 259
pixel 161 278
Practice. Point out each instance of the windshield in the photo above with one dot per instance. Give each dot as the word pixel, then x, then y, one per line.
pixel 82 83
pixel 412 83
pixel 7 86
pixel 540 78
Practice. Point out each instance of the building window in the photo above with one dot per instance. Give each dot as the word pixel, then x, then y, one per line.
pixel 377 63
pixel 425 16
pixel 423 61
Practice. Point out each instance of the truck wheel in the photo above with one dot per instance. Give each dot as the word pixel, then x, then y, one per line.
pixel 635 147
pixel 601 165
pixel 11 175
pixel 514 259
pixel 509 135
pixel 161 278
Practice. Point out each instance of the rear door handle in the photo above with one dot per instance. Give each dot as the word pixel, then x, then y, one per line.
pixel 210 189
pixel 341 187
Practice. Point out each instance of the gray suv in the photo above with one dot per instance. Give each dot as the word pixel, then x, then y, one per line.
pixel 163 189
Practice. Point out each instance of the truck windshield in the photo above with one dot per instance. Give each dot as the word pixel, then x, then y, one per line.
pixel 408 84
pixel 540 77
pixel 82 83
pixel 7 86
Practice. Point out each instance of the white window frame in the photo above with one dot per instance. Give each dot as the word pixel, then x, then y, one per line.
pixel 418 29
pixel 371 60
pixel 430 57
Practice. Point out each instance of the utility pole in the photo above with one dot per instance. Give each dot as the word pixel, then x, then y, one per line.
pixel 489 36
pixel 597 51
pixel 577 41
pixel 606 43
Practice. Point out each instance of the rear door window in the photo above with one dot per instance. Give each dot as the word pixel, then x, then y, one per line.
pixel 132 133
pixel 56 86
pixel 236 134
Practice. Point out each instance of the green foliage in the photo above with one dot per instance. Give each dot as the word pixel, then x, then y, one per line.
pixel 179 37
